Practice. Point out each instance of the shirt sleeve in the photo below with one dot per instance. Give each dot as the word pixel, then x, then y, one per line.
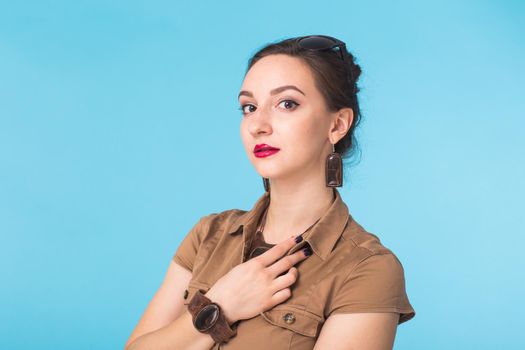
pixel 376 284
pixel 187 251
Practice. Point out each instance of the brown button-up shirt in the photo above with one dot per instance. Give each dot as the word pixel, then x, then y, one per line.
pixel 349 271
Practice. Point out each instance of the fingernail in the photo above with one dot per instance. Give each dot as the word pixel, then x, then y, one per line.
pixel 307 251
pixel 298 239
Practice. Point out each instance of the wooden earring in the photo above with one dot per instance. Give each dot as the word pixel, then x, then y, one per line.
pixel 334 169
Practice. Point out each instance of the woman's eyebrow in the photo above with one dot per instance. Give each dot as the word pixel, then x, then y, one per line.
pixel 274 91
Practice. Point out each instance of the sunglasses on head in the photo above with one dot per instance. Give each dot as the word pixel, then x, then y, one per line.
pixel 323 43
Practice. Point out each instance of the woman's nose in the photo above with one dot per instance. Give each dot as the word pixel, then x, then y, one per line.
pixel 261 123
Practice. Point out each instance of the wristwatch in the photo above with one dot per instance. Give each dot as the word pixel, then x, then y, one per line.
pixel 208 318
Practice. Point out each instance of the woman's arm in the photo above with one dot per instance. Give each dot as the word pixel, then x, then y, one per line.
pixel 180 334
pixel 249 288
pixel 363 331
pixel 166 323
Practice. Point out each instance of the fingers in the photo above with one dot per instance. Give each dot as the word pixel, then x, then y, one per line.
pixel 285 281
pixel 281 296
pixel 287 262
pixel 276 252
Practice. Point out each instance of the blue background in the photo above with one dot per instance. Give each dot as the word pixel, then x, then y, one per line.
pixel 119 129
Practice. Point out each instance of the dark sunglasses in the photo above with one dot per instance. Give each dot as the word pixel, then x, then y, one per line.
pixel 324 43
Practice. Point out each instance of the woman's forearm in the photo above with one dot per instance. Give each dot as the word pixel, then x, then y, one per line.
pixel 178 335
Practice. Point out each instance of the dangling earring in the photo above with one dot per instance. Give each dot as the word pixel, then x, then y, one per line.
pixel 266 183
pixel 334 169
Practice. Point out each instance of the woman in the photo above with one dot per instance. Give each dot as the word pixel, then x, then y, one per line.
pixel 296 271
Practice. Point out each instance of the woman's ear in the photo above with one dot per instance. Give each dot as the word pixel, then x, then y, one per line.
pixel 342 121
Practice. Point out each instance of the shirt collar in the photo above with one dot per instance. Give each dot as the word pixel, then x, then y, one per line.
pixel 321 237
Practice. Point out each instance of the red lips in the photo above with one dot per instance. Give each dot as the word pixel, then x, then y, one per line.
pixel 264 150
pixel 263 146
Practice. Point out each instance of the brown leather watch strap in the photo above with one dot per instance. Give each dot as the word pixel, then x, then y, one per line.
pixel 221 331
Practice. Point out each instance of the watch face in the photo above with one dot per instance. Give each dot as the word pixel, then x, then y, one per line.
pixel 207 317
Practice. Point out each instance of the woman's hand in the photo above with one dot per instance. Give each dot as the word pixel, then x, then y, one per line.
pixel 257 284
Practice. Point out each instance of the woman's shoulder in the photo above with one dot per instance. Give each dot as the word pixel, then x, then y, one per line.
pixel 373 277
pixel 222 220
pixel 365 242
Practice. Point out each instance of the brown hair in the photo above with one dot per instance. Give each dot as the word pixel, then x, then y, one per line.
pixel 337 83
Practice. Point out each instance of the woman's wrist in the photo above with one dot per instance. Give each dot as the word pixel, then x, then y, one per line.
pixel 224 306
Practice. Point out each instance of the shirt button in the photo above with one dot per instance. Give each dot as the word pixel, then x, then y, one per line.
pixel 289 318
pixel 185 294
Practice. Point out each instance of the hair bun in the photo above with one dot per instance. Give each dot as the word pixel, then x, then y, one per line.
pixel 354 68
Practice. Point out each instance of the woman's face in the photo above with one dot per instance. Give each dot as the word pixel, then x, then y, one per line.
pixel 296 122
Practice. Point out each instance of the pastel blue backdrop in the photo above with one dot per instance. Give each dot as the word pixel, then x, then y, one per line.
pixel 119 128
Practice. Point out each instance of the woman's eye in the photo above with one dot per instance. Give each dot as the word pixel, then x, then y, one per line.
pixel 289 103
pixel 242 108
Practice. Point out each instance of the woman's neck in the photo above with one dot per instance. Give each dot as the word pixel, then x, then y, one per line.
pixel 291 212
